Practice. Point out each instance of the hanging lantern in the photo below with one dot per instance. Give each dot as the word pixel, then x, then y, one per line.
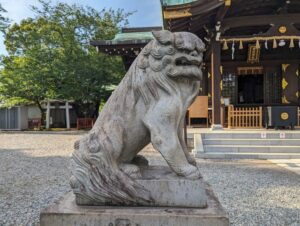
pixel 274 44
pixel 257 45
pixel 225 46
pixel 292 44
pixel 266 44
pixel 241 45
pixel 233 50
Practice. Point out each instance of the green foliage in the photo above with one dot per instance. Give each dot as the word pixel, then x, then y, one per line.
pixel 50 56
pixel 3 20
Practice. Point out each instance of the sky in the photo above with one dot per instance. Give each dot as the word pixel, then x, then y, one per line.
pixel 148 12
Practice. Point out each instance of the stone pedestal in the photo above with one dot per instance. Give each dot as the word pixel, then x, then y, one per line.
pixel 66 212
pixel 167 189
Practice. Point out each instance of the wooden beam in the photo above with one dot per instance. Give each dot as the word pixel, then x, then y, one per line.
pixel 265 63
pixel 270 35
pixel 181 27
pixel 192 9
pixel 192 24
pixel 223 10
pixel 247 21
pixel 178 22
pixel 254 7
pixel 201 20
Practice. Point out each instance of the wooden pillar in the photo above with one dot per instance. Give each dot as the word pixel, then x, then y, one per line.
pixel 48 115
pixel 216 81
pixel 67 115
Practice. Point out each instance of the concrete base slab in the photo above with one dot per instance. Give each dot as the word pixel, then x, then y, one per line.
pixel 167 189
pixel 66 212
pixel 216 127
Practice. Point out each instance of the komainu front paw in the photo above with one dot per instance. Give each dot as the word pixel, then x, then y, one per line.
pixel 191 160
pixel 191 172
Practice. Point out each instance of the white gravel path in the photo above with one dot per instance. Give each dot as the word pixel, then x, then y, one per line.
pixel 34 173
pixel 255 192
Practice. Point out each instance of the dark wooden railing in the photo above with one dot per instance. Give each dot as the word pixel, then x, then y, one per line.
pixel 85 123
pixel 34 123
pixel 244 117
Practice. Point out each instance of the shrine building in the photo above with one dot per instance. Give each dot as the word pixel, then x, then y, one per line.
pixel 251 65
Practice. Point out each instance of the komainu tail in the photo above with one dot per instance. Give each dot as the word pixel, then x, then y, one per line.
pixel 97 180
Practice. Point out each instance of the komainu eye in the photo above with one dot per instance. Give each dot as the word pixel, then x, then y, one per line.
pixel 194 53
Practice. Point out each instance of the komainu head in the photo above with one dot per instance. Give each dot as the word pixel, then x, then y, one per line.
pixel 169 58
pixel 178 54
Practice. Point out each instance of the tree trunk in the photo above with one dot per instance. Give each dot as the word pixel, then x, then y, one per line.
pixel 96 110
pixel 43 114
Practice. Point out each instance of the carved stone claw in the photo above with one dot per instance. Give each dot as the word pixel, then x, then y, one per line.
pixel 191 160
pixel 191 172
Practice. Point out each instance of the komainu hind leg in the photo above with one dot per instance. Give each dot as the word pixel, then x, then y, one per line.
pixel 131 170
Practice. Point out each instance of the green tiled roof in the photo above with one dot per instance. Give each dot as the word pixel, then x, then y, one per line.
pixel 132 36
pixel 176 2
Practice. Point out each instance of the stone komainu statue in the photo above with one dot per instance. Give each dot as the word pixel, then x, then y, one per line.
pixel 149 105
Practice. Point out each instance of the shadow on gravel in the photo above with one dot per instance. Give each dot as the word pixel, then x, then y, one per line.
pixel 20 160
pixel 255 192
pixel 29 184
pixel 72 132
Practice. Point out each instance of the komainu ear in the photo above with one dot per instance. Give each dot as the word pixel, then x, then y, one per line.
pixel 164 37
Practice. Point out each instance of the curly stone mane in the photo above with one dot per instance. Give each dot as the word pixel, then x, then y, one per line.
pixel 153 68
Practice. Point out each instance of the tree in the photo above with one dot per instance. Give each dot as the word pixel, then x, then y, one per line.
pixel 50 56
pixel 19 84
pixel 3 20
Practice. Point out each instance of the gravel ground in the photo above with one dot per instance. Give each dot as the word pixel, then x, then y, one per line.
pixel 255 192
pixel 34 173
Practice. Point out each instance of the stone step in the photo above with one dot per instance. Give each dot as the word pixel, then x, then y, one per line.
pixel 252 135
pixel 251 149
pixel 231 155
pixel 268 142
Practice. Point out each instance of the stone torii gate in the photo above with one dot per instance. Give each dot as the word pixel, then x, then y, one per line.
pixel 67 107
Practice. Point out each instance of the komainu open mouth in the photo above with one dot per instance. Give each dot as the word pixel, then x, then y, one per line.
pixel 184 61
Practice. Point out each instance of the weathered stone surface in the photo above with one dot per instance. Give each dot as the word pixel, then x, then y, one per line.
pixel 149 105
pixel 66 212
pixel 167 189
